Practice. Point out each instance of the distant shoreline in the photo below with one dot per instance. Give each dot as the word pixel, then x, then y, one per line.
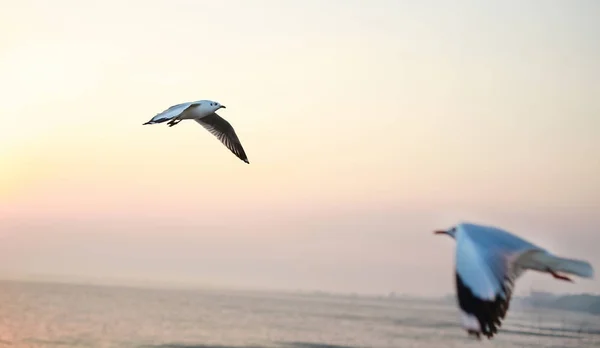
pixel 582 303
pixel 585 303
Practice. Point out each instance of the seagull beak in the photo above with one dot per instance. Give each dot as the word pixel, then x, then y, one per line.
pixel 223 107
pixel 440 232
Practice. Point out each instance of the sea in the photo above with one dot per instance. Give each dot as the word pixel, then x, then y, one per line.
pixel 65 315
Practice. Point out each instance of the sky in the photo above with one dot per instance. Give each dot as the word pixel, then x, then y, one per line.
pixel 368 124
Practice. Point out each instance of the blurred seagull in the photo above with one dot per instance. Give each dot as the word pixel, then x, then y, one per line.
pixel 488 262
pixel 204 112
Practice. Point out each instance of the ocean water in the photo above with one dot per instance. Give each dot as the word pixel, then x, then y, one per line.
pixel 60 315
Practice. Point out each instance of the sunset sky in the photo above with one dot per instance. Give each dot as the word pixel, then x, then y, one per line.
pixel 368 124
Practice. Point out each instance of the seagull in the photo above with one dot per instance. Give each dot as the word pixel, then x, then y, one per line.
pixel 204 112
pixel 488 262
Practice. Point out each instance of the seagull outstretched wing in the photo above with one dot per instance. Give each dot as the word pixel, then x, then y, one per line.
pixel 170 113
pixel 221 129
pixel 488 262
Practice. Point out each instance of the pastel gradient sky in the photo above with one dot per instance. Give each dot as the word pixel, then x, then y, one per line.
pixel 368 124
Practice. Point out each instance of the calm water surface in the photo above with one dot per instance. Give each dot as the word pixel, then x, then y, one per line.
pixel 57 315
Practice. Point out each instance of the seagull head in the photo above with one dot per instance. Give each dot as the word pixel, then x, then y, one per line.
pixel 214 106
pixel 450 232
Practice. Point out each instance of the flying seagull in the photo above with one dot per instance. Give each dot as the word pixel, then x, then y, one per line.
pixel 204 112
pixel 488 262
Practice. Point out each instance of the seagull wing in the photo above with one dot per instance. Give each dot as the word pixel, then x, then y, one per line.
pixel 485 274
pixel 221 129
pixel 171 113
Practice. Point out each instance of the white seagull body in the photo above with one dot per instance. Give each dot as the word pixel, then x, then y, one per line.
pixel 488 262
pixel 204 112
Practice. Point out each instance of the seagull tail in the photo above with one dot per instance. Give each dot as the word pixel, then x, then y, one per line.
pixel 579 268
pixel 155 121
